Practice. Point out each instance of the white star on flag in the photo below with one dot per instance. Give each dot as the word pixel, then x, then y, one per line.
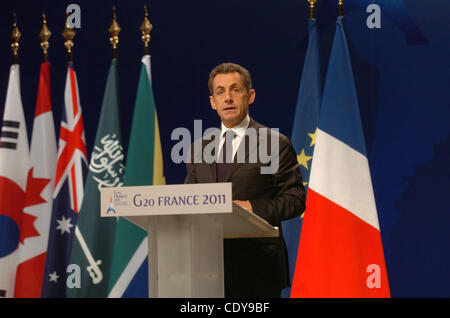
pixel 54 277
pixel 64 225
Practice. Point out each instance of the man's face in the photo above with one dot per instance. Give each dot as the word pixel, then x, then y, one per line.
pixel 230 98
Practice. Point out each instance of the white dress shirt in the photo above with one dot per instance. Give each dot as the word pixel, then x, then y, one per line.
pixel 239 130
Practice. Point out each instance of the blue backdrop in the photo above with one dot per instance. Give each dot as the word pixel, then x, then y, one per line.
pixel 402 78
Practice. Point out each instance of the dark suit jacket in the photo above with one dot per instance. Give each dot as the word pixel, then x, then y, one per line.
pixel 257 264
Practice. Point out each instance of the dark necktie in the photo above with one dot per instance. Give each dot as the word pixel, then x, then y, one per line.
pixel 225 158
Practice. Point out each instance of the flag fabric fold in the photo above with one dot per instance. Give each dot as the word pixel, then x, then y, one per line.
pixel 16 226
pixel 68 190
pixel 144 166
pixel 43 151
pixel 92 249
pixel 340 251
pixel 303 135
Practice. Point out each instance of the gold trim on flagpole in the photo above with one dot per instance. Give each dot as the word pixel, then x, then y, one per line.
pixel 68 34
pixel 45 35
pixel 312 9
pixel 15 36
pixel 114 29
pixel 340 8
pixel 145 28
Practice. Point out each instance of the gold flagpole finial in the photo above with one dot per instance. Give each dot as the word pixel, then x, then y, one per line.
pixel 15 36
pixel 145 28
pixel 68 34
pixel 45 36
pixel 312 9
pixel 114 29
pixel 340 8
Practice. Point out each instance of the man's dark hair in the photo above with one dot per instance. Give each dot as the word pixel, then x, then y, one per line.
pixel 225 68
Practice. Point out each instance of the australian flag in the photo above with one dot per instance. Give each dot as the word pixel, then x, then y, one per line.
pixel 70 174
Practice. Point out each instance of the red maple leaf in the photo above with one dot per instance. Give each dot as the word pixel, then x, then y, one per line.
pixel 35 186
pixel 13 200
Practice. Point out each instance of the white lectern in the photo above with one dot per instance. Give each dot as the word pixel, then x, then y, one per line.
pixel 186 225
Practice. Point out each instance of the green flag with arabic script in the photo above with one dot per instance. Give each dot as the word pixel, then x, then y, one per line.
pixel 93 247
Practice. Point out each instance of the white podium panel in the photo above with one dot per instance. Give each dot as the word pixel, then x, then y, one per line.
pixel 185 256
pixel 185 241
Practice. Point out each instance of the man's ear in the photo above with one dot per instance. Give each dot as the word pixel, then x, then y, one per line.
pixel 251 96
pixel 213 104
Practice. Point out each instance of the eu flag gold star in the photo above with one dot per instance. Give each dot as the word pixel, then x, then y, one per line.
pixel 313 138
pixel 303 159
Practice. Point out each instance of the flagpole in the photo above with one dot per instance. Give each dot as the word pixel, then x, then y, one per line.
pixel 341 8
pixel 15 36
pixel 145 28
pixel 45 36
pixel 114 29
pixel 68 34
pixel 312 9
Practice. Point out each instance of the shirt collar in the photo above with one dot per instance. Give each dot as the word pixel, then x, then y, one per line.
pixel 238 129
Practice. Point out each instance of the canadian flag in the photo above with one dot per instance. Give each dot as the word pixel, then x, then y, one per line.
pixel 43 152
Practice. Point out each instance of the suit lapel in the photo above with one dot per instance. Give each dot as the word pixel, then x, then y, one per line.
pixel 247 148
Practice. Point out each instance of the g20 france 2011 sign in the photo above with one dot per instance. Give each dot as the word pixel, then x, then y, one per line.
pixel 166 199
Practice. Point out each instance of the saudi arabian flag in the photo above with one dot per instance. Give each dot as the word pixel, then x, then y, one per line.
pixel 144 166
pixel 93 246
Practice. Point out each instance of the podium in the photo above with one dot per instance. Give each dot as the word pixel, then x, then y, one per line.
pixel 186 225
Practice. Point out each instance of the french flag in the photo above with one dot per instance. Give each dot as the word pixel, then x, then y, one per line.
pixel 340 251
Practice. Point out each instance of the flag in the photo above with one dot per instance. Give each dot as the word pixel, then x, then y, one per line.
pixel 32 254
pixel 15 224
pixel 303 135
pixel 68 191
pixel 144 166
pixel 340 252
pixel 92 249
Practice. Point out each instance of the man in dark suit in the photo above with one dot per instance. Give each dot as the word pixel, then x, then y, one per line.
pixel 252 267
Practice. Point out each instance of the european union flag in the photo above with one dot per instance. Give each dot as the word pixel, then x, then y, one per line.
pixel 304 134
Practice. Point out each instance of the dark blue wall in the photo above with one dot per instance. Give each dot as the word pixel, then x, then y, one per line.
pixel 401 72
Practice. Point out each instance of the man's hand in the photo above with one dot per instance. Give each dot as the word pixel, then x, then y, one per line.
pixel 245 204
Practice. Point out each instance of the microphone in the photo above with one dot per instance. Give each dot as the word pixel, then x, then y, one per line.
pixel 188 175
pixel 212 136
